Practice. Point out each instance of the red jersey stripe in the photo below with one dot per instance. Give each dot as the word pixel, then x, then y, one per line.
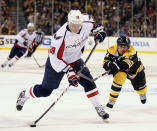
pixel 61 50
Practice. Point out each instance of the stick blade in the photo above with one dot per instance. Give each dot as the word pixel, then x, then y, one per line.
pixel 33 125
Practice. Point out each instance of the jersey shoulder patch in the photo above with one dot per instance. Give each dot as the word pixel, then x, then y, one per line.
pixel 87 18
pixel 57 37
pixel 25 30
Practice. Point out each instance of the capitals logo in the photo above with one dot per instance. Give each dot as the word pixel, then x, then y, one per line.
pixel 57 37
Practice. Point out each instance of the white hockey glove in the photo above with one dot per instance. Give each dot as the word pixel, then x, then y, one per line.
pixel 73 78
pixel 97 28
pixel 98 32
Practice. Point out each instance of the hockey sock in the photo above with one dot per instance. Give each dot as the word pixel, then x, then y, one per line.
pixel 142 91
pixel 14 60
pixel 93 96
pixel 6 61
pixel 29 92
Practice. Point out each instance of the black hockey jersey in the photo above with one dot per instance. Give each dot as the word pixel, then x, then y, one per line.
pixel 128 62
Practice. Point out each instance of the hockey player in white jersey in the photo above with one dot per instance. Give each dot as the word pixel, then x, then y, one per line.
pixel 24 40
pixel 65 58
pixel 40 36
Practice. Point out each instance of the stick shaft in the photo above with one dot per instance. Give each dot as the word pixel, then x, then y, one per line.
pixel 37 62
pixel 36 121
pixel 92 80
pixel 96 43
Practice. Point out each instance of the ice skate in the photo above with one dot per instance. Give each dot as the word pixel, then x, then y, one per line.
pixel 21 100
pixel 11 64
pixel 143 98
pixel 3 65
pixel 101 112
pixel 110 104
pixel 14 60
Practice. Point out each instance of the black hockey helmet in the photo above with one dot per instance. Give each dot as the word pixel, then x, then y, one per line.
pixel 123 40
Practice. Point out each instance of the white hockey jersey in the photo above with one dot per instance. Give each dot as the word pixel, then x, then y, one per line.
pixel 24 39
pixel 66 46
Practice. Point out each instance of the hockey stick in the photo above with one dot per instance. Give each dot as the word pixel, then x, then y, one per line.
pixel 66 89
pixel 96 43
pixel 105 73
pixel 40 66
pixel 92 80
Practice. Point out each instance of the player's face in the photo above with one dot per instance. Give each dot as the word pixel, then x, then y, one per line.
pixel 75 28
pixel 30 30
pixel 39 30
pixel 122 49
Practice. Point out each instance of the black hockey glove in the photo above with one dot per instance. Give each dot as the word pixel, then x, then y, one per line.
pixel 122 64
pixel 72 78
pixel 107 65
pixel 112 67
pixel 100 36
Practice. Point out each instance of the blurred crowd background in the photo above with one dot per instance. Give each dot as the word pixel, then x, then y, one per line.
pixel 136 18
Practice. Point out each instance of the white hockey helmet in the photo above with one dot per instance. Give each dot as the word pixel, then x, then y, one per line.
pixel 30 25
pixel 75 17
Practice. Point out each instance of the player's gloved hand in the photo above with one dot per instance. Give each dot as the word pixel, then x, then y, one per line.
pixel 98 32
pixel 72 78
pixel 97 28
pixel 30 49
pixel 121 61
pixel 100 36
pixel 25 42
pixel 123 65
pixel 112 67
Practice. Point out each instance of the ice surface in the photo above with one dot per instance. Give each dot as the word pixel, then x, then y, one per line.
pixel 73 112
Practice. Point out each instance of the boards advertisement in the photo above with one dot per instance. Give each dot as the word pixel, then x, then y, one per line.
pixel 143 45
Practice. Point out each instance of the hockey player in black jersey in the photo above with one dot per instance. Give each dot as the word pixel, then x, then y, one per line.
pixel 122 62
